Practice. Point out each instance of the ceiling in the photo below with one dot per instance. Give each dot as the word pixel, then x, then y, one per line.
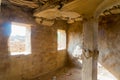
pixel 91 7
pixel 70 10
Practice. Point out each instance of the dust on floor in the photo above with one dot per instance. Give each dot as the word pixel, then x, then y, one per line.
pixel 73 73
pixel 66 73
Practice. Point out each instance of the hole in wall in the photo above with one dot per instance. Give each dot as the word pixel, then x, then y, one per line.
pixel 61 39
pixel 77 53
pixel 20 39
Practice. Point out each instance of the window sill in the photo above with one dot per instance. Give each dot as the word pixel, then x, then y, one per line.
pixel 19 53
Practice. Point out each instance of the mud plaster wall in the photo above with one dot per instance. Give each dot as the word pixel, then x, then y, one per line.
pixel 75 43
pixel 44 55
pixel 108 44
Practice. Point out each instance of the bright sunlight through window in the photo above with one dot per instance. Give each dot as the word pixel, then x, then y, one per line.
pixel 19 41
pixel 61 34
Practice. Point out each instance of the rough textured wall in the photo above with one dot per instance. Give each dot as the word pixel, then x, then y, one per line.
pixel 75 43
pixel 109 43
pixel 44 57
pixel 4 53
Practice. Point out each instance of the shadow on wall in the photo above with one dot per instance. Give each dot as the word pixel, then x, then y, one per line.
pixel 5 30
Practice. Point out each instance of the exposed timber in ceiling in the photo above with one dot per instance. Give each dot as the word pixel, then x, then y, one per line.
pixel 90 7
pixel 29 4
pixel 111 11
pixel 46 11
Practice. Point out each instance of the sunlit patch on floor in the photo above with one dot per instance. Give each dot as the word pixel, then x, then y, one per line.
pixel 104 74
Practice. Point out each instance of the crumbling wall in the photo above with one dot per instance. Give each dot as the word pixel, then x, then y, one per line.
pixel 109 43
pixel 75 43
pixel 44 55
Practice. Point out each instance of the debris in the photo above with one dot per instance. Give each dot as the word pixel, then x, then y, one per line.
pixel 54 78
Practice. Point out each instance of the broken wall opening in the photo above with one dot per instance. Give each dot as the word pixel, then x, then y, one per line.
pixel 75 39
pixel 20 39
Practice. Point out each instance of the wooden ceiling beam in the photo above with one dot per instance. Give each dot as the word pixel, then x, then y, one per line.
pixel 29 4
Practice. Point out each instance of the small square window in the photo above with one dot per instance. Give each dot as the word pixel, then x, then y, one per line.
pixel 19 40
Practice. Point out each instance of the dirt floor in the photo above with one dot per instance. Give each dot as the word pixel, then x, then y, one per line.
pixel 104 74
pixel 73 73
pixel 66 73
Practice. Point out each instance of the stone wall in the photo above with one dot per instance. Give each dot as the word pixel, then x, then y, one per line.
pixel 44 55
pixel 75 43
pixel 109 43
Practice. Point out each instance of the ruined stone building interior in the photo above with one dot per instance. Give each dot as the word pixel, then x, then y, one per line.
pixel 59 39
